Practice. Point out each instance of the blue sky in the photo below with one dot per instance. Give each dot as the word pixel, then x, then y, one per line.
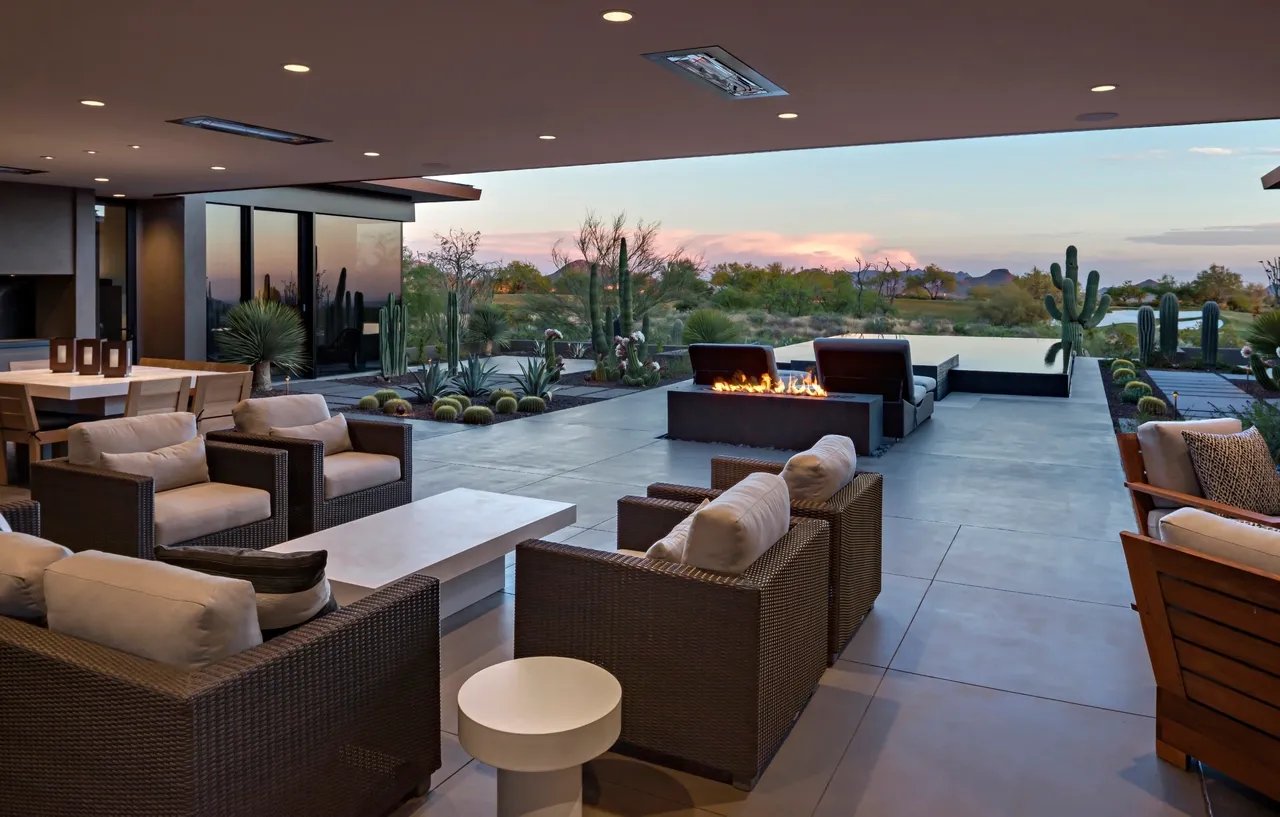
pixel 1138 203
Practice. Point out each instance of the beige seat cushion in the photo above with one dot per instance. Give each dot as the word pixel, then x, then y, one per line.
pixel 153 610
pixel 1223 538
pixel 817 474
pixel 670 548
pixel 199 510
pixel 23 559
pixel 261 414
pixel 171 467
pixel 332 432
pixel 738 526
pixel 87 442
pixel 354 471
pixel 1153 520
pixel 1164 453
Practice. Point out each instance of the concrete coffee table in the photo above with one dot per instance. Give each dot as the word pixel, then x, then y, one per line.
pixel 537 720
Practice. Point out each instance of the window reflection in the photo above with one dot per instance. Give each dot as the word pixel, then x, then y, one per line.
pixel 275 256
pixel 222 269
pixel 357 267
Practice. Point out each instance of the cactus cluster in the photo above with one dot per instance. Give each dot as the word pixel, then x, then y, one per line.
pixel 446 412
pixel 477 416
pixel 532 405
pixel 383 395
pixel 506 405
pixel 1075 317
pixel 1168 325
pixel 453 334
pixel 393 337
pixel 1209 316
pixel 342 313
pixel 399 407
pixel 1153 406
pixel 368 402
pixel 595 298
pixel 611 323
pixel 1146 334
pixel 498 394
pixel 625 318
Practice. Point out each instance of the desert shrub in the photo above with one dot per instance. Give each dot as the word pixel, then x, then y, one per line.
pixel 446 412
pixel 507 405
pixel 734 299
pixel 477 416
pixel 532 405
pixel 369 402
pixel 710 326
pixel 1011 306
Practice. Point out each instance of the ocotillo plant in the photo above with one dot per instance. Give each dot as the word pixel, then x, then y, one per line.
pixel 1146 334
pixel 1075 317
pixel 1209 315
pixel 453 333
pixel 393 337
pixel 625 318
pixel 1169 325
pixel 599 341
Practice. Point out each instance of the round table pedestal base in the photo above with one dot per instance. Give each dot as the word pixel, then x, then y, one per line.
pixel 540 794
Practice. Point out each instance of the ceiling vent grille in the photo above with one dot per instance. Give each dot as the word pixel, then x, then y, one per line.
pixel 252 131
pixel 20 171
pixel 713 67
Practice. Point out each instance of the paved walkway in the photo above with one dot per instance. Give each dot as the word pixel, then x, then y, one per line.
pixel 1201 394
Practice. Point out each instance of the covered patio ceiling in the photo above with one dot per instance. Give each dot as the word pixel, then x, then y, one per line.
pixel 449 88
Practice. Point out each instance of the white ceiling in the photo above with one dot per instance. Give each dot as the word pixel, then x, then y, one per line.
pixel 466 86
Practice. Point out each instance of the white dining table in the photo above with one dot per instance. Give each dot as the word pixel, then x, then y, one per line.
pixel 88 394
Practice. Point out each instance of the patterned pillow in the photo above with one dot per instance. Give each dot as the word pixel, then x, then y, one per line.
pixel 1236 470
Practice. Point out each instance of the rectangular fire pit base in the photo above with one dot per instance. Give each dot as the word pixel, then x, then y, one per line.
pixel 699 414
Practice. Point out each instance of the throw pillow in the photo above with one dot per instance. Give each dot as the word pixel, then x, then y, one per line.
pixel 332 432
pixel 171 467
pixel 23 560
pixel 817 474
pixel 738 526
pixel 1236 470
pixel 291 588
pixel 670 548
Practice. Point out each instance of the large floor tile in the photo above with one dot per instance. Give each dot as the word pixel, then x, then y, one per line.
pixel 1091 654
pixel 478 637
pixel 798 774
pixel 596 501
pixel 1084 569
pixel 928 746
pixel 596 539
pixel 1228 798
pixel 532 446
pixel 450 476
pixel 914 547
pixel 880 634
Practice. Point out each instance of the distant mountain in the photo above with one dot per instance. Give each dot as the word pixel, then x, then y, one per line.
pixel 1150 282
pixel 994 278
pixel 576 266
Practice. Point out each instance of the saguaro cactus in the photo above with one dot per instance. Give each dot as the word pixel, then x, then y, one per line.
pixel 453 333
pixel 611 323
pixel 393 337
pixel 625 318
pixel 1146 334
pixel 1075 317
pixel 1209 314
pixel 599 340
pixel 1169 324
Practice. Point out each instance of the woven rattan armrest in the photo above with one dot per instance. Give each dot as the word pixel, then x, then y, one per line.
pixel 86 508
pixel 23 516
pixel 381 437
pixel 727 472
pixel 643 521
pixel 266 469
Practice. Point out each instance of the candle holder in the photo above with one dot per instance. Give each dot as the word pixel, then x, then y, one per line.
pixel 88 356
pixel 62 355
pixel 117 358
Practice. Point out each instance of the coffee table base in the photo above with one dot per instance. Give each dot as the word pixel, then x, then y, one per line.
pixel 540 794
pixel 463 591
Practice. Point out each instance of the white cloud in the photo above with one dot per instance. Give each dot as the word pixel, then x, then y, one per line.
pixel 1213 151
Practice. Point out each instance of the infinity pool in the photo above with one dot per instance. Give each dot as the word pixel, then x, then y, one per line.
pixel 976 354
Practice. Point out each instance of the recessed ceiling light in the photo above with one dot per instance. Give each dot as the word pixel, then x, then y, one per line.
pixel 296 68
pixel 135 147
pixel 617 16
pixel 117 195
pixel 47 158
pixel 371 153
pixel 217 167
pixel 101 179
pixel 92 103
pixel 1102 89
pixel 788 115
pixel 547 137
pixel 91 151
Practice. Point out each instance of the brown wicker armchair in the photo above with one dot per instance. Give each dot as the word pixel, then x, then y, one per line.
pixel 855 516
pixel 23 515
pixel 296 726
pixel 714 668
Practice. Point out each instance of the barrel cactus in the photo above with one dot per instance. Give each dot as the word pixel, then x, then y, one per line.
pixel 1134 390
pixel 1121 363
pixel 1146 334
pixel 462 400
pixel 498 394
pixel 383 395
pixel 507 405
pixel 477 416
pixel 1075 316
pixel 1122 376
pixel 1209 317
pixel 446 412
pixel 1169 325
pixel 451 400
pixel 532 405
pixel 399 407
pixel 1153 406
pixel 369 402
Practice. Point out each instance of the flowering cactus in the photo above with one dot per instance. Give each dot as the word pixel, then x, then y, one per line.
pixel 555 363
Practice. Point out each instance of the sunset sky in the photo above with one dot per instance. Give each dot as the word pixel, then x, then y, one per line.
pixel 1138 203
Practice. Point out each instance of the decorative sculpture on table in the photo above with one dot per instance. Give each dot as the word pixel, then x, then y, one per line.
pixel 117 358
pixel 88 356
pixel 62 355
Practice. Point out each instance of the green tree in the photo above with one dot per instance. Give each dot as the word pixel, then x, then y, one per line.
pixel 1011 306
pixel 519 277
pixel 422 289
pixel 1037 283
pixel 936 281
pixel 1217 283
pixel 1125 293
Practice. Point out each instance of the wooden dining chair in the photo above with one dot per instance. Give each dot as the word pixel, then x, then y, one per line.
pixel 193 365
pixel 28 365
pixel 20 425
pixel 216 395
pixel 157 396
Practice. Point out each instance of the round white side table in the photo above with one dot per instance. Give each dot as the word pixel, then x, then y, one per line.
pixel 537 720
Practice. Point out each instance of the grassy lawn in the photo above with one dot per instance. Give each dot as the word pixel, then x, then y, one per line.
pixel 954 311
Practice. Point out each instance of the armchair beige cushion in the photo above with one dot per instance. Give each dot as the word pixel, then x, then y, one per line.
pixel 209 507
pixel 153 610
pixel 87 442
pixel 670 548
pixel 738 526
pixel 1223 538
pixel 1165 456
pixel 171 467
pixel 23 560
pixel 332 432
pixel 261 414
pixel 354 471
pixel 817 474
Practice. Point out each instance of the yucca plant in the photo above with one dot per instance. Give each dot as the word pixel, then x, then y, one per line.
pixel 473 379
pixel 430 382
pixel 1264 334
pixel 488 328
pixel 534 379
pixel 710 326
pixel 263 334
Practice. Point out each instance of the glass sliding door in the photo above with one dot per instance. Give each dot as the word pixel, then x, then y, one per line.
pixel 223 270
pixel 275 256
pixel 357 267
pixel 113 272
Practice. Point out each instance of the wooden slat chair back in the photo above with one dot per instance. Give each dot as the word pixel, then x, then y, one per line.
pixel 193 365
pixel 1213 633
pixel 216 395
pixel 20 425
pixel 28 365
pixel 157 396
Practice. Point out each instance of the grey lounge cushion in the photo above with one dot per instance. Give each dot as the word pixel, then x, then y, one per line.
pixel 87 442
pixel 354 471
pixel 918 393
pixel 1236 469
pixel 261 414
pixel 929 383
pixel 199 510
pixel 738 526
pixel 817 474
pixel 1164 454
pixel 23 560
pixel 171 467
pixel 151 610
pixel 1223 538
pixel 332 432
pixel 670 548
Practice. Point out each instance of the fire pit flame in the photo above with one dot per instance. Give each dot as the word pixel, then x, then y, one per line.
pixel 802 386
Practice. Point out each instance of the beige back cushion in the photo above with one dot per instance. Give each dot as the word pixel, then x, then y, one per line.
pixel 87 442
pixel 1164 453
pixel 1223 538
pixel 261 414
pixel 741 524
pixel 171 467
pixel 23 559
pixel 670 548
pixel 817 474
pixel 149 609
pixel 332 432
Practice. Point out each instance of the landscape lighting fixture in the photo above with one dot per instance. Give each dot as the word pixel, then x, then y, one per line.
pixel 717 69
pixel 1102 89
pixel 93 103
pixel 213 123
pixel 296 68
pixel 617 16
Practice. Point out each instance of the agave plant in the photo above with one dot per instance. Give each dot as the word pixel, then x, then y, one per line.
pixel 429 382
pixel 535 379
pixel 1264 333
pixel 473 379
pixel 488 327
pixel 263 334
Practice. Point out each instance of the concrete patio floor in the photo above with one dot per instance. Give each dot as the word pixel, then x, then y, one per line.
pixel 1002 671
